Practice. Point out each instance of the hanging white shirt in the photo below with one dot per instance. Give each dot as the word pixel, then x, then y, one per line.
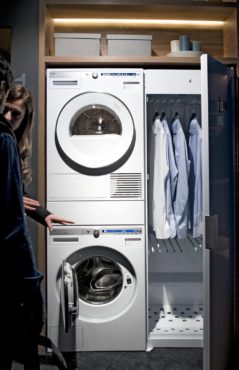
pixel 195 177
pixel 151 152
pixel 160 174
pixel 171 180
pixel 180 203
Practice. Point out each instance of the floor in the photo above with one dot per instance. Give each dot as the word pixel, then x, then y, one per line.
pixel 157 359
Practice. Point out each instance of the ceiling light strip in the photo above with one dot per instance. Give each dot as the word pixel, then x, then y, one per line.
pixel 137 21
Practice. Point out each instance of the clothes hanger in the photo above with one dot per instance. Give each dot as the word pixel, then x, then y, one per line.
pixel 155 115
pixel 190 121
pixel 162 116
pixel 175 117
pixel 193 116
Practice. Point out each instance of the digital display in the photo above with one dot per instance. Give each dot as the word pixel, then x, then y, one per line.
pixel 122 231
pixel 119 74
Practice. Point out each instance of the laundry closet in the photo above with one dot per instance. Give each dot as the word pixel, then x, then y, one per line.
pixel 170 268
pixel 175 257
pixel 188 238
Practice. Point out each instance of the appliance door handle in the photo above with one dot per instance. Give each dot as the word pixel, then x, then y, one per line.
pixel 211 232
pixel 69 296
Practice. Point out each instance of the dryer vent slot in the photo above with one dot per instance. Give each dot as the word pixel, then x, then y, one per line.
pixel 126 185
pixel 65 82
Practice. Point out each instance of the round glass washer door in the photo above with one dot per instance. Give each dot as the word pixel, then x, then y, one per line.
pixel 97 283
pixel 95 133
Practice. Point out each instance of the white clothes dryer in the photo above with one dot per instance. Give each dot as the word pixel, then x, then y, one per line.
pixel 96 295
pixel 95 134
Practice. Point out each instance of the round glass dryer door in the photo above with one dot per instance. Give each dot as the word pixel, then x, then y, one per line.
pixel 95 133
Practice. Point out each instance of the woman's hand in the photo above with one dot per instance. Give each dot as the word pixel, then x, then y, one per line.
pixel 50 219
pixel 30 203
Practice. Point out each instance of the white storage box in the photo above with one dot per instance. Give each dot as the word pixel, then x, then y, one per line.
pixel 83 44
pixel 129 44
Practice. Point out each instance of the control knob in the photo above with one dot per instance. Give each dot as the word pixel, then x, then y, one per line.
pixel 94 75
pixel 96 233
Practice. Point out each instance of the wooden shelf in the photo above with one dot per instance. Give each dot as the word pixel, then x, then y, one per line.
pixel 174 10
pixel 111 60
pixel 100 61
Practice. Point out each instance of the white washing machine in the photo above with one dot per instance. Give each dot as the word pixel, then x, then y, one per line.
pixel 95 134
pixel 96 287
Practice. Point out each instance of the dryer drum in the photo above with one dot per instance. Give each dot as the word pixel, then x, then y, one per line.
pixel 97 121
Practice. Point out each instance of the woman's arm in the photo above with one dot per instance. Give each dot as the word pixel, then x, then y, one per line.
pixel 40 214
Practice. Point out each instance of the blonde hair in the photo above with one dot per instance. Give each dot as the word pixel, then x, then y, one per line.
pixel 24 131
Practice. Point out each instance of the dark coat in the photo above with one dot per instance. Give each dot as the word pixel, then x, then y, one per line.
pixel 15 243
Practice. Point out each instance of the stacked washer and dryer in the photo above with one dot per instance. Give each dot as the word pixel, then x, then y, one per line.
pixel 96 290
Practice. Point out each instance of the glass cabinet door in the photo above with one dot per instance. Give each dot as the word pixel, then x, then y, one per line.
pixel 218 123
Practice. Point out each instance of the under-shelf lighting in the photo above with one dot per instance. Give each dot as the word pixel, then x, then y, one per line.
pixel 137 22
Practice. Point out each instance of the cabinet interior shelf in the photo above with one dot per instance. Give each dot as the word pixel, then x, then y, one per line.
pixel 65 61
pixel 208 10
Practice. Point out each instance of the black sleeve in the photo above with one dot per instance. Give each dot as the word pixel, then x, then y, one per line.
pixel 12 213
pixel 39 214
pixel 15 242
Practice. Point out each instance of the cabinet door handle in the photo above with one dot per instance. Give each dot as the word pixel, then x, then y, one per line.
pixel 211 231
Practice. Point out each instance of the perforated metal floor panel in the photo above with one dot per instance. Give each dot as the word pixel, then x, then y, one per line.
pixel 176 325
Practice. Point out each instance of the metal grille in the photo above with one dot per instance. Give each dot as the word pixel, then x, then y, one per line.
pixel 176 319
pixel 126 185
pixel 174 246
